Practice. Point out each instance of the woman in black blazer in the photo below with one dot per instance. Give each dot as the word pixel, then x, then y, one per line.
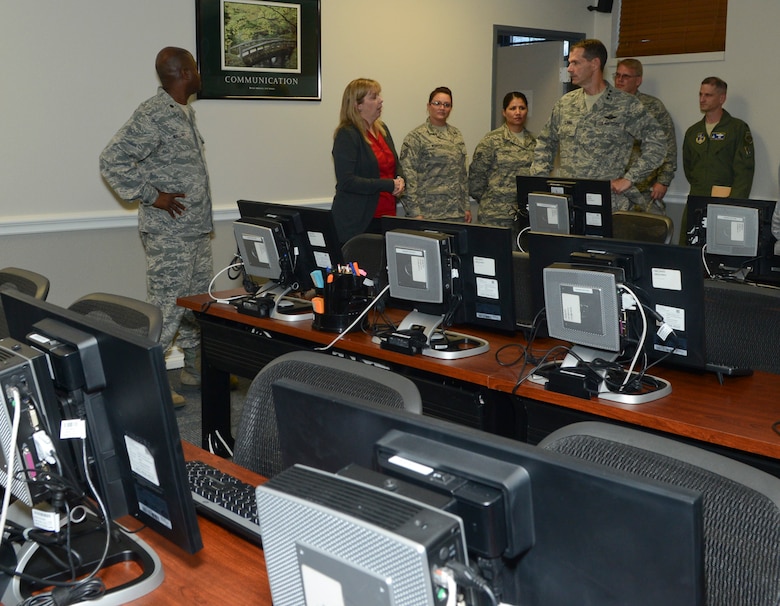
pixel 366 163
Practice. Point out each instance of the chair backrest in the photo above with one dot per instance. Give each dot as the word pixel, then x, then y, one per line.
pixel 257 440
pixel 138 316
pixel 642 227
pixel 742 323
pixel 25 281
pixel 369 252
pixel 741 504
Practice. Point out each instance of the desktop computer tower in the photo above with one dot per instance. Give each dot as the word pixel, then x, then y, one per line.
pixel 341 541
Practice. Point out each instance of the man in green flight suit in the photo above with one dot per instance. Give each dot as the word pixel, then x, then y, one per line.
pixel 718 154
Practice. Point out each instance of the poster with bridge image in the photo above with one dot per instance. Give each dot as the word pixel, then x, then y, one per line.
pixel 258 49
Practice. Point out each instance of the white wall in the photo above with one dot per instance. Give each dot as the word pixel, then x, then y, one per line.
pixel 72 73
pixel 753 86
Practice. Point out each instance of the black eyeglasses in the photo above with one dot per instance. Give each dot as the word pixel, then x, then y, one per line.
pixel 443 104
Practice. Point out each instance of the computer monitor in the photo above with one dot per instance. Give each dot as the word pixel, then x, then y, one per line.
pixel 113 382
pixel 545 528
pixel 481 270
pixel 667 279
pixel 284 244
pixel 450 273
pixel 735 237
pixel 558 205
pixel 310 232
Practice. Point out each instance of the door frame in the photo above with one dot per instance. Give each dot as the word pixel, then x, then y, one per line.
pixel 544 35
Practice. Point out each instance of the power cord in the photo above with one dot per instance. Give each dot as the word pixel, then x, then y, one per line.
pixel 466 576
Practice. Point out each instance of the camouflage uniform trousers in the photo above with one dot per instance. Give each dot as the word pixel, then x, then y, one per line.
pixel 177 266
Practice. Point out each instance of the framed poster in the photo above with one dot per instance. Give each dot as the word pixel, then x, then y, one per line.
pixel 258 49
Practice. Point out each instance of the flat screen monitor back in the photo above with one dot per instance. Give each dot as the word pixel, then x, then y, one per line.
pixel 666 277
pixel 601 536
pixel 591 202
pixel 764 268
pixel 484 265
pixel 147 450
pixel 312 232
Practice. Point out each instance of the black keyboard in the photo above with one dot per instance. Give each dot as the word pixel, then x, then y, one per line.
pixel 224 499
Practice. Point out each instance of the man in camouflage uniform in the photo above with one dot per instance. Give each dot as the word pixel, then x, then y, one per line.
pixel 157 158
pixel 594 127
pixel 433 162
pixel 628 78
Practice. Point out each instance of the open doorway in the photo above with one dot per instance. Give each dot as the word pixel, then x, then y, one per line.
pixel 531 61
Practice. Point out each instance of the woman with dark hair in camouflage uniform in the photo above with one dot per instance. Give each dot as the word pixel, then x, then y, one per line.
pixel 502 154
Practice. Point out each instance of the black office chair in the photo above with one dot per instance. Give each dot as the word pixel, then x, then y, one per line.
pixel 741 505
pixel 25 281
pixel 140 317
pixel 369 252
pixel 742 325
pixel 257 440
pixel 642 227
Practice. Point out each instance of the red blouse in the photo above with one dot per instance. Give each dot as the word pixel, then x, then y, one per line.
pixel 386 160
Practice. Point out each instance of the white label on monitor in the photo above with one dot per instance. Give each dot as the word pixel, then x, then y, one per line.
pixel 487 288
pixel 419 269
pixel 316 239
pixel 552 214
pixel 73 429
pixel 141 460
pixel 737 231
pixel 484 266
pixel 594 199
pixel 155 515
pixel 556 189
pixel 260 249
pixel 322 259
pixel 667 279
pixel 593 219
pixel 570 304
pixel 673 316
pixel 319 589
pixel 46 520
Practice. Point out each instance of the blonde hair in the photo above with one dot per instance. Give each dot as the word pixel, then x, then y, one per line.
pixel 354 94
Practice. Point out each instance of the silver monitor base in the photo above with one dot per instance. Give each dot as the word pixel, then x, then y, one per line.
pixel 443 344
pixel 124 548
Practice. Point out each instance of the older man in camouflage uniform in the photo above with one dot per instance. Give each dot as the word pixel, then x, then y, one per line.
pixel 628 78
pixel 594 127
pixel 157 158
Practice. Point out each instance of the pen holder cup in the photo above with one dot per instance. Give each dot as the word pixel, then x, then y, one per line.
pixel 343 300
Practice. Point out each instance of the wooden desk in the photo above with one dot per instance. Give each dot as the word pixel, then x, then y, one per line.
pixel 736 416
pixel 228 570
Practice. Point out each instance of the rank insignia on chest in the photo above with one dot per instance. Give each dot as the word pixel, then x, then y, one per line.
pixel 718 136
pixel 701 138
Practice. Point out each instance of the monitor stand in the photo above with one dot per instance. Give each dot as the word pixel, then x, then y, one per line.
pixel 653 388
pixel 88 540
pixel 443 344
pixel 289 309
